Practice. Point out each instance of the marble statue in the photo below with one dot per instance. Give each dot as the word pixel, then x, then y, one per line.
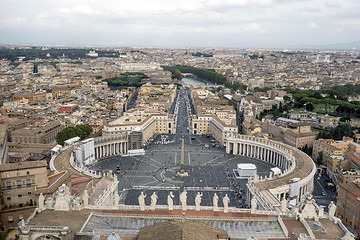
pixel 50 203
pixel 332 210
pixel 85 198
pixel 116 198
pixel 41 202
pixel 226 201
pixel 154 198
pixel 283 205
pixel 170 201
pixel 141 199
pixel 62 198
pixel 75 204
pixel 215 202
pixel 198 201
pixel 183 197
pixel 253 204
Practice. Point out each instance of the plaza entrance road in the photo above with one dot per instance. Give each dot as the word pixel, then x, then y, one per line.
pixel 209 168
pixel 321 193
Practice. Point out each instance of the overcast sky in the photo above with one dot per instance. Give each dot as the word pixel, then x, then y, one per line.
pixel 181 23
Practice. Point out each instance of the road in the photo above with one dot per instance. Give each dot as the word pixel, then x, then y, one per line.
pixel 321 193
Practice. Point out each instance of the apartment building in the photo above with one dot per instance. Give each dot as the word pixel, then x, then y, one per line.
pixel 348 201
pixel 18 182
pixel 32 97
pixel 333 151
pixel 44 133
pixel 149 125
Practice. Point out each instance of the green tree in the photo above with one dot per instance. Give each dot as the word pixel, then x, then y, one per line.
pixel 286 99
pixel 81 131
pixel 176 74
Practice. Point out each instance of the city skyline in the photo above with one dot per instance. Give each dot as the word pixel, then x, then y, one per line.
pixel 219 24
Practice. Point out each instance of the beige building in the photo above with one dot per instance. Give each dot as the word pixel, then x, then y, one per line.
pixel 333 151
pixel 348 201
pixel 43 134
pixel 212 115
pixel 329 121
pixel 18 183
pixel 251 128
pixel 299 139
pixel 148 125
pixel 3 144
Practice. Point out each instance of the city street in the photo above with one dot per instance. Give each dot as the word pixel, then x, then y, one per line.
pixel 321 193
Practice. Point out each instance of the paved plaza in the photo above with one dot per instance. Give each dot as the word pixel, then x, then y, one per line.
pixel 208 165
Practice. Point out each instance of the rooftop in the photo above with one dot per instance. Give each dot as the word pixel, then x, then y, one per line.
pixel 22 165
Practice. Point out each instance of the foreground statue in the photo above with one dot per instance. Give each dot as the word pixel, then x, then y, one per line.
pixel 215 202
pixel 198 201
pixel 183 197
pixel 141 199
pixel 154 198
pixel 332 210
pixel 170 201
pixel 226 201
pixel 253 204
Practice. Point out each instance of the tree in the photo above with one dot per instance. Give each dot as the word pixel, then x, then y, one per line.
pixel 286 98
pixel 176 74
pixel 257 89
pixel 81 131
pixel 343 130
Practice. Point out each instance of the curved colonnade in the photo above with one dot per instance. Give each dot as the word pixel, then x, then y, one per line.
pixel 107 146
pixel 295 164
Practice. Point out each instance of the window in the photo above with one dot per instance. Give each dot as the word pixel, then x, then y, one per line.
pixel 7 175
pixel 10 218
pixel 8 184
pixel 19 195
pixel 18 182
pixel 21 216
pixel 29 193
pixel 9 198
pixel 351 212
pixel 18 174
pixel 27 173
pixel 28 181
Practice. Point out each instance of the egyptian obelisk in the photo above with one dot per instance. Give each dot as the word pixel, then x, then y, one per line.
pixel 182 172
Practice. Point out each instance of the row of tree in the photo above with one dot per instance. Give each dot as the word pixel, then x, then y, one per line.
pixel 81 131
pixel 200 54
pixel 335 100
pixel 36 53
pixel 337 133
pixel 208 75
pixel 127 79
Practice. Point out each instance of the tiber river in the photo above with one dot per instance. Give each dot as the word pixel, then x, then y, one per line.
pixel 192 81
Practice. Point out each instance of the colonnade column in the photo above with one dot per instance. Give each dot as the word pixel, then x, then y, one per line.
pixel 235 148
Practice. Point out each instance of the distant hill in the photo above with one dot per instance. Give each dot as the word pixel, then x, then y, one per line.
pixel 336 46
